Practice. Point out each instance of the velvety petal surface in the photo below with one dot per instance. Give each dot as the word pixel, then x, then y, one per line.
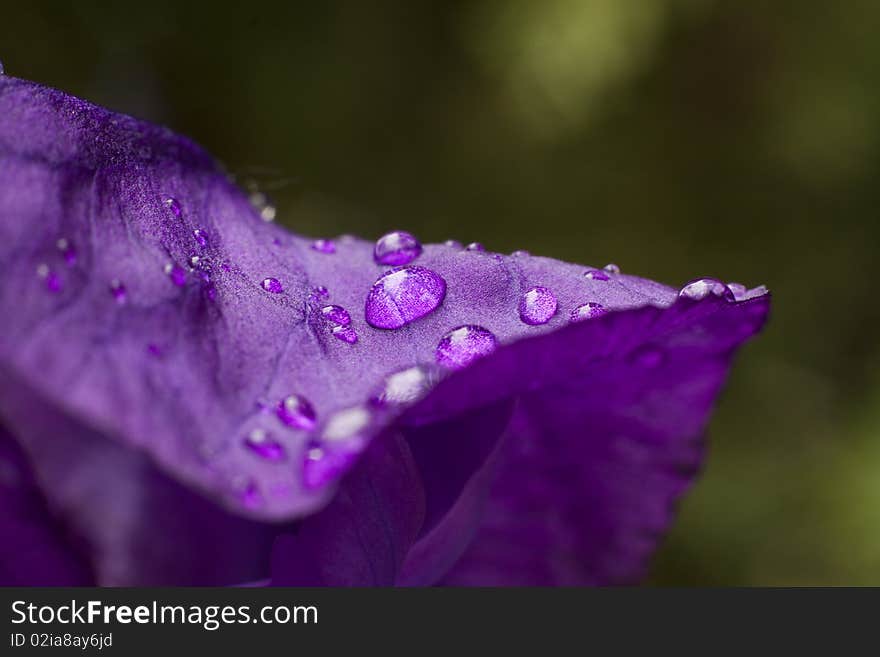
pixel 147 303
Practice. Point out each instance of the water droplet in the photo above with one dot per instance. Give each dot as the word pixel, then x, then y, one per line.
pixel 272 285
pixel 463 345
pixel 452 244
pixel 174 205
pixel 337 315
pixel 324 246
pixel 347 424
pixel 345 333
pixel 201 237
pixel 176 273
pixel 194 261
pixel 403 387
pixel 520 254
pixel 52 280
pixel 396 248
pixel 402 296
pixel 475 246
pixel 587 311
pixel 537 306
pixel 596 275
pixel 296 411
pixel 321 291
pixel 67 250
pixel 117 289
pixel 261 443
pixel 323 465
pixel 611 268
pixel 701 288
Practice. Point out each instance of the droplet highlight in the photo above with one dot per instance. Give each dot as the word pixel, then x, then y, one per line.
pixel 596 275
pixel 174 205
pixel 296 411
pixel 404 295
pixel 537 306
pixel 264 445
pixel 272 285
pixel 463 345
pixel 589 310
pixel 396 248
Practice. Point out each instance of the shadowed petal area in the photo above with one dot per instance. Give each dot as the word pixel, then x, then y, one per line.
pixel 35 551
pixel 198 358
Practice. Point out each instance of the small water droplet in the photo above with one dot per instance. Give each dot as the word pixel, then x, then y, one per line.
pixel 453 244
pixel 537 306
pixel 194 261
pixel 404 295
pixel 321 291
pixel 261 443
pixel 324 246
pixel 324 465
pixel 403 387
pixel 587 311
pixel 475 246
pixel 67 250
pixel 701 288
pixel 611 268
pixel 596 275
pixel 296 411
pixel 201 237
pixel 117 289
pixel 345 333
pixel 268 213
pixel 52 279
pixel 336 315
pixel 272 285
pixel 396 248
pixel 347 424
pixel 174 205
pixel 463 345
pixel 520 254
pixel 176 273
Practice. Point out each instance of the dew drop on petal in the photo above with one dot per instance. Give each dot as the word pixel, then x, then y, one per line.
pixel 321 291
pixel 176 273
pixel 537 306
pixel 296 411
pixel 611 268
pixel 404 295
pixel 174 205
pixel 520 254
pixel 323 465
pixel 324 246
pixel 347 424
pixel 67 250
pixel 475 246
pixel 452 244
pixel 345 333
pixel 701 288
pixel 587 311
pixel 463 345
pixel 336 314
pixel 117 289
pixel 261 443
pixel 396 248
pixel 403 387
pixel 272 285
pixel 596 275
pixel 51 279
pixel 201 237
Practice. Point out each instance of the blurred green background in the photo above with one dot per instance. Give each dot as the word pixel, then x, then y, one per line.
pixel 676 138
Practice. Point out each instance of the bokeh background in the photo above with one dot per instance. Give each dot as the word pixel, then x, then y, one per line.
pixel 677 138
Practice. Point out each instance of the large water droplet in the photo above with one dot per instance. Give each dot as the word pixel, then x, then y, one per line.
pixel 402 296
pixel 261 443
pixel 537 306
pixel 174 205
pixel 596 275
pixel 702 288
pixel 296 411
pixel 272 285
pixel 67 250
pixel 201 237
pixel 475 246
pixel 345 333
pixel 403 387
pixel 463 345
pixel 611 268
pixel 117 289
pixel 587 311
pixel 396 248
pixel 324 246
pixel 176 273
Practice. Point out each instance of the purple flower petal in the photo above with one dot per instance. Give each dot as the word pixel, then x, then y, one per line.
pixel 162 392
